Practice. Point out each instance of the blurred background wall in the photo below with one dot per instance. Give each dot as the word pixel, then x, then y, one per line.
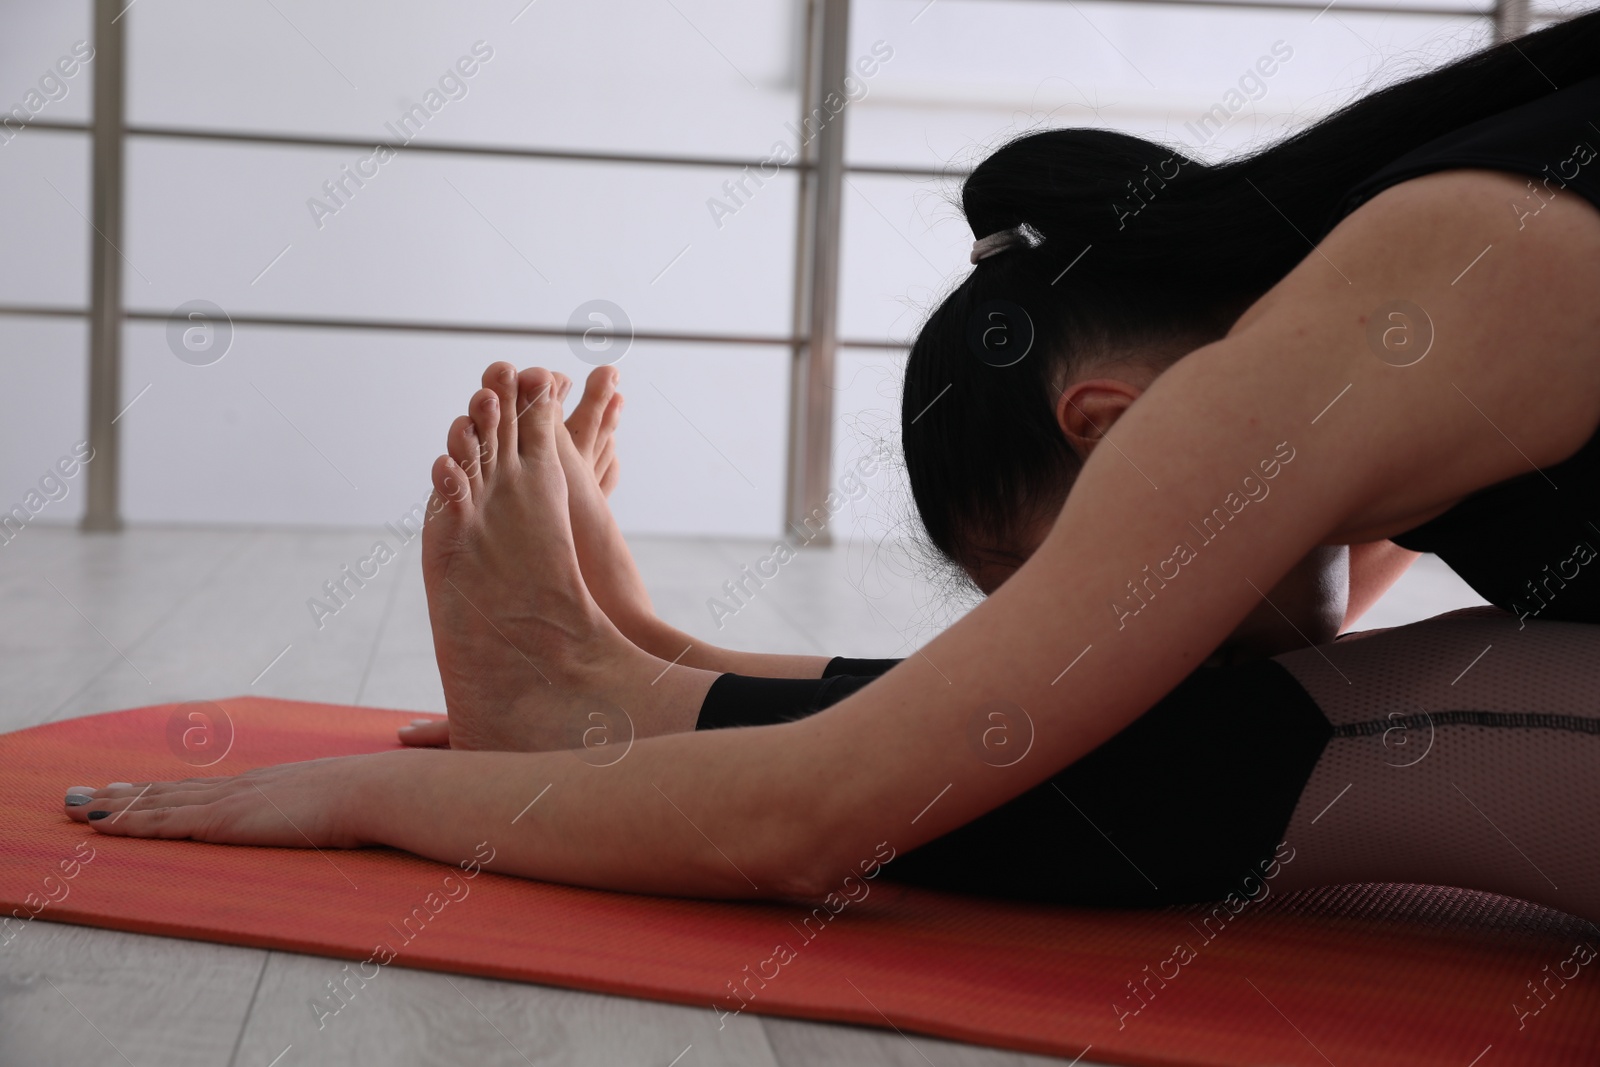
pixel 337 424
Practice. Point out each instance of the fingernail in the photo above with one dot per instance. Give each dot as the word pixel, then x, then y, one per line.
pixel 80 789
pixel 120 785
pixel 98 814
pixel 421 722
pixel 78 800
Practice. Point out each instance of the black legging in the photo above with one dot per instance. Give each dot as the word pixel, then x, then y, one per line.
pixel 1181 806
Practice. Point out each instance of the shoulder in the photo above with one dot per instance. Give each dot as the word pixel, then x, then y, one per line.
pixel 1538 213
pixel 1463 321
pixel 1461 234
pixel 1504 270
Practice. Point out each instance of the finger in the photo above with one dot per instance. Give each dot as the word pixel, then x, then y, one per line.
pixel 189 821
pixel 116 809
pixel 426 733
pixel 124 790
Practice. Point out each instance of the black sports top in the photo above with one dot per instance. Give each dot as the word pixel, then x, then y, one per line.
pixel 1530 545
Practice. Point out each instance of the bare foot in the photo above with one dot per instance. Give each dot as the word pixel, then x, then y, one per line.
pixel 527 658
pixel 588 456
pixel 592 426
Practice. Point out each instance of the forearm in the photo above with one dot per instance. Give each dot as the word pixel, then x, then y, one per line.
pixel 711 815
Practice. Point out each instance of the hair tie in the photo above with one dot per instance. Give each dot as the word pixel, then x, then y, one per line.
pixel 1020 234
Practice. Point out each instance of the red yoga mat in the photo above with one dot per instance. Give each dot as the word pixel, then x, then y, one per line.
pixel 1369 975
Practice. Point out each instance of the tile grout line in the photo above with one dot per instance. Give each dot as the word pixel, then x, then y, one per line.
pixel 249 1008
pixel 377 638
pixel 766 1039
pixel 154 626
pixel 726 554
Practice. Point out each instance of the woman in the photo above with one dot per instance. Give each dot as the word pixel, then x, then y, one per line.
pixel 1300 425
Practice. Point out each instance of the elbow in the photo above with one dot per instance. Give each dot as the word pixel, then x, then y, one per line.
pixel 822 865
pixel 796 878
pixel 814 883
pixel 814 842
pixel 795 863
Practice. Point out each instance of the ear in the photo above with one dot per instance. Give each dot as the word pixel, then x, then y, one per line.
pixel 1086 410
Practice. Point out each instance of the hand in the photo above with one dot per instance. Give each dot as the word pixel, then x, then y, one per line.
pixel 1306 608
pixel 293 805
pixel 426 733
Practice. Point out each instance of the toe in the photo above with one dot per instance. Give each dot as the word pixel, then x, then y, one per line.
pixel 588 417
pixel 502 378
pixel 538 411
pixel 450 488
pixel 484 408
pixel 563 386
pixel 606 467
pixel 613 416
pixel 463 446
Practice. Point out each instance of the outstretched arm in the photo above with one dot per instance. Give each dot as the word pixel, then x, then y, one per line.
pixel 651 822
pixel 1127 594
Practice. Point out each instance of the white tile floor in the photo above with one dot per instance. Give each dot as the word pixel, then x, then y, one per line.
pixel 158 615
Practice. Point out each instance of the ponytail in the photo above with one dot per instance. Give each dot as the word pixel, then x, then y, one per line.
pixel 1145 249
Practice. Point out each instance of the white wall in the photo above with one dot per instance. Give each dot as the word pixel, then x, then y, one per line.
pixel 313 427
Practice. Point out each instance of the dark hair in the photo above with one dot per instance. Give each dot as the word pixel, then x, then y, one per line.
pixel 1178 250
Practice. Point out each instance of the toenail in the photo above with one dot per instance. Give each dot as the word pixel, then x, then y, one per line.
pixel 78 800
pixel 98 814
pixel 472 431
